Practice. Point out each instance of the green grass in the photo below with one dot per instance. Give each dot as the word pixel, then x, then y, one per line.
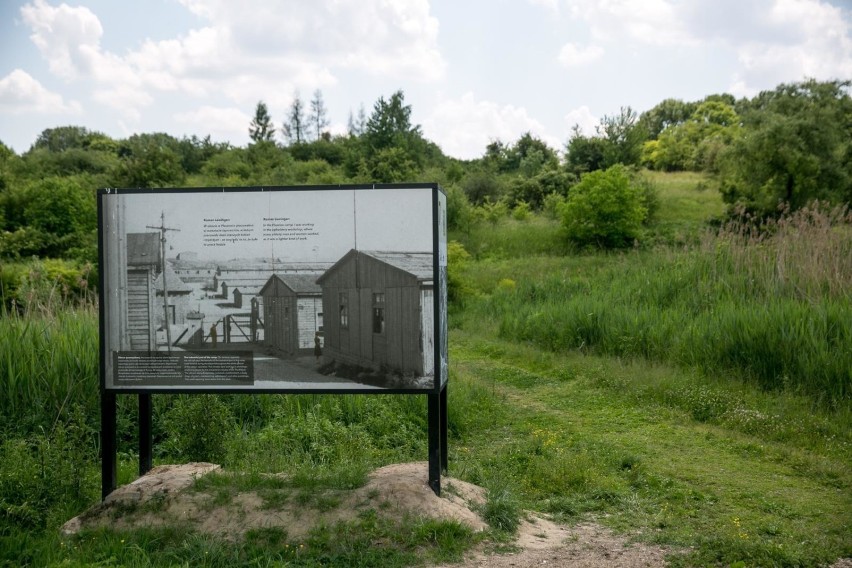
pixel 775 310
pixel 673 309
pixel 511 238
pixel 691 396
pixel 587 437
pixel 688 201
pixel 47 364
pixel 370 541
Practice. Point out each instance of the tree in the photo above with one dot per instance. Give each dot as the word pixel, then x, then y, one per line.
pixel 64 138
pixel 795 148
pixel 195 152
pixel 390 124
pixel 8 160
pixel 391 165
pixel 318 118
pixel 529 154
pixel 584 153
pixel 668 113
pixel 357 126
pixel 624 137
pixel 605 209
pixel 482 186
pixel 50 217
pixel 150 160
pixel 294 127
pixel 695 143
pixel 261 128
pixel 534 190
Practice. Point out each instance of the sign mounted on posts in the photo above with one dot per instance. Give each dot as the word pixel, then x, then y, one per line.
pixel 285 289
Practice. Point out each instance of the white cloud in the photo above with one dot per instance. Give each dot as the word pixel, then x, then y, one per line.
pixel 20 93
pixel 823 46
pixel 572 56
pixel 552 5
pixel 654 22
pixel 382 37
pixel 774 41
pixel 583 118
pixel 69 39
pixel 465 126
pixel 246 49
pixel 220 123
pixel 65 36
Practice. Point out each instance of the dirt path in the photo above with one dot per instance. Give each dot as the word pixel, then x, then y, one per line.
pixel 543 543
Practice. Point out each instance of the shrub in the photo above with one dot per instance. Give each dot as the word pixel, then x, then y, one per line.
pixel 521 211
pixel 551 205
pixel 47 476
pixel 482 186
pixel 198 426
pixel 460 213
pixel 606 209
pixel 493 212
pixel 457 286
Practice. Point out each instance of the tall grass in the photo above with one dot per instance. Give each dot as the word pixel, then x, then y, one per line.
pixel 48 363
pixel 805 255
pixel 771 303
pixel 512 238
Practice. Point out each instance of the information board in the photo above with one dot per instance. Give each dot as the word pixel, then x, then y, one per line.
pixel 274 289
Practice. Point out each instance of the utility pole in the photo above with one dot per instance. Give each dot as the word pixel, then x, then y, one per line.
pixel 162 228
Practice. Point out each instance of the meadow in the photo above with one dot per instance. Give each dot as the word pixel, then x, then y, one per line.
pixel 693 393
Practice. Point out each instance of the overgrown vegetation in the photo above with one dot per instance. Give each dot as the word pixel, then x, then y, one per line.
pixel 771 304
pixel 691 388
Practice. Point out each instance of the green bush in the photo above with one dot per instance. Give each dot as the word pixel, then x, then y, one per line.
pixel 198 427
pixel 46 478
pixel 46 285
pixel 457 286
pixel 606 210
pixel 460 213
pixel 521 211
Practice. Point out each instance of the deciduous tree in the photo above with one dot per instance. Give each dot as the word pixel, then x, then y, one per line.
pixel 294 126
pixel 796 147
pixel 318 119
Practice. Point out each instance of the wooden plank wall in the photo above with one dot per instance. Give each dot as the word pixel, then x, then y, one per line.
pixel 140 299
pixel 400 347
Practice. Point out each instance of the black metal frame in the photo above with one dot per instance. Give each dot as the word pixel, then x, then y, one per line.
pixel 436 397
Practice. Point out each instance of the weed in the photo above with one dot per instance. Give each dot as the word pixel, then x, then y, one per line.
pixel 199 426
pixel 502 510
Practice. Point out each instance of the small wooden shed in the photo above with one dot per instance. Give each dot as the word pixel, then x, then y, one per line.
pixel 292 312
pixel 379 310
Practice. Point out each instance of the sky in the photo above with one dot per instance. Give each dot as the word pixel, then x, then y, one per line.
pixel 473 71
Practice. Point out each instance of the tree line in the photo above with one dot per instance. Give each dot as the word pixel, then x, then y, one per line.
pixel 782 148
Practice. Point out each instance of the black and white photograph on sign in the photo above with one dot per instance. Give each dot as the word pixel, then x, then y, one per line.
pixel 325 289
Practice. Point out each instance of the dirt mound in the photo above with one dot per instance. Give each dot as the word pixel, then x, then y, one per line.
pixel 166 496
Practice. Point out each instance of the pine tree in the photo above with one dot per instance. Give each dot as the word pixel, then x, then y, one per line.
pixel 261 129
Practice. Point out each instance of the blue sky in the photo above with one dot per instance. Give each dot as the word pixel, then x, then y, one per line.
pixel 474 71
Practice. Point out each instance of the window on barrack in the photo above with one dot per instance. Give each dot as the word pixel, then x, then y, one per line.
pixel 379 313
pixel 343 301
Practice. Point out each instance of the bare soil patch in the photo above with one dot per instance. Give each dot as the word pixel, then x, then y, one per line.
pixel 165 496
